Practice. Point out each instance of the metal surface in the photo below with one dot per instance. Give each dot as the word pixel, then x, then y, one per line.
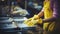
pixel 15 26
pixel 7 22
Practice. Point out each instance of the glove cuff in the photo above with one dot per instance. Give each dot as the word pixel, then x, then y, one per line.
pixel 36 16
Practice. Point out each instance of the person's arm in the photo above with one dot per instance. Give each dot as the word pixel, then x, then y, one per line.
pixel 49 19
pixel 41 13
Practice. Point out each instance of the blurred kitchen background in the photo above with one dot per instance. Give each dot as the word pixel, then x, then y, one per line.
pixel 14 12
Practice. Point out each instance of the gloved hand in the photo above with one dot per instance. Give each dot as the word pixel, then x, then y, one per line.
pixel 39 21
pixel 31 22
pixel 35 17
pixel 26 21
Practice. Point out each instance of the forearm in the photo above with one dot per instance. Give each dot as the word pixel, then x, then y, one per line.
pixel 52 19
pixel 41 13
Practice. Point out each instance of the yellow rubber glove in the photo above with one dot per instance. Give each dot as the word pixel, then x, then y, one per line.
pixel 35 17
pixel 31 22
pixel 28 20
pixel 39 21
